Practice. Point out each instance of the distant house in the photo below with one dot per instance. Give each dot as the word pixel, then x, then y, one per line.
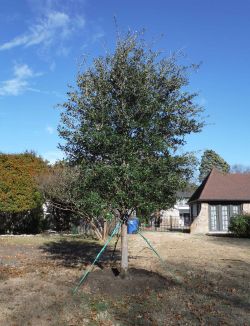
pixel 217 199
pixel 175 218
pixel 179 215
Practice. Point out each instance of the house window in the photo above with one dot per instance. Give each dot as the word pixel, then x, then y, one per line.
pixel 220 216
pixel 213 219
pixel 235 209
pixel 224 215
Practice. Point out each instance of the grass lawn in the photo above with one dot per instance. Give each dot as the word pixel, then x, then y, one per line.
pixel 204 281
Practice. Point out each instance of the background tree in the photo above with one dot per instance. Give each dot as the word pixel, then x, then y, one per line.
pixel 64 199
pixel 210 159
pixel 20 199
pixel 123 125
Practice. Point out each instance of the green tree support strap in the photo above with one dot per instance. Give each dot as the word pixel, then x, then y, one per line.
pixel 116 229
pixel 152 248
pixel 162 261
pixel 113 253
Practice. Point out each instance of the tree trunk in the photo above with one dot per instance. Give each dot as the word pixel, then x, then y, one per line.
pixel 124 248
pixel 104 235
pixel 96 231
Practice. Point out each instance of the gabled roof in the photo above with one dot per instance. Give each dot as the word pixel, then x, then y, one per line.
pixel 218 186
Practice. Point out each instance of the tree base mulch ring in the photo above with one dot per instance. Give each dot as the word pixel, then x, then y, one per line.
pixel 137 281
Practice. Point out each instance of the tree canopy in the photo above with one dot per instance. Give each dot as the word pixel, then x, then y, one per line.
pixel 123 124
pixel 18 189
pixel 210 159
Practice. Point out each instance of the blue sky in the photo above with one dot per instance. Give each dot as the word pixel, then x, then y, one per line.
pixel 42 43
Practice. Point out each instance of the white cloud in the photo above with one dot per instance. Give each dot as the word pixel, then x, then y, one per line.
pixel 55 27
pixel 23 71
pixel 20 81
pixel 50 130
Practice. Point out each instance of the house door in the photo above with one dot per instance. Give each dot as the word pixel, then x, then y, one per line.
pixel 219 218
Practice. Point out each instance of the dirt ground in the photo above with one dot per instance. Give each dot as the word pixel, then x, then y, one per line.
pixel 201 280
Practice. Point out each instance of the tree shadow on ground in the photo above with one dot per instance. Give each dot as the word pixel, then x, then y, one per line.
pixel 72 253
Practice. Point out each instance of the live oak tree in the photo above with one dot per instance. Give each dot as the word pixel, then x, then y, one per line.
pixel 210 159
pixel 123 125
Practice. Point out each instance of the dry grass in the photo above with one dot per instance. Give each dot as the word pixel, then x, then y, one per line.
pixel 207 282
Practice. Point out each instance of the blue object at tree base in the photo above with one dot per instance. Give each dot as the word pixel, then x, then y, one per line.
pixel 133 225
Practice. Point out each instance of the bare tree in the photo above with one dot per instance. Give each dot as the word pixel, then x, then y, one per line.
pixel 60 188
pixel 240 168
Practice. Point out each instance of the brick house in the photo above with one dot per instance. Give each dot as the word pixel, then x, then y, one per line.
pixel 217 199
